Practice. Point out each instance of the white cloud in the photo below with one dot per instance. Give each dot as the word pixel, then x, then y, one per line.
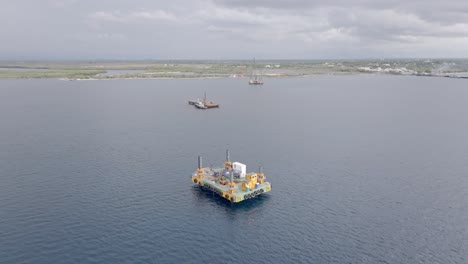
pixel 134 16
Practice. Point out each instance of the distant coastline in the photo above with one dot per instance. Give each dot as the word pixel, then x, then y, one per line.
pixel 451 68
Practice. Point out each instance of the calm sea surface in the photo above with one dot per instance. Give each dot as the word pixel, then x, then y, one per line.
pixel 364 169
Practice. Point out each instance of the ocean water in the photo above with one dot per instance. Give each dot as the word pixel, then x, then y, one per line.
pixel 364 169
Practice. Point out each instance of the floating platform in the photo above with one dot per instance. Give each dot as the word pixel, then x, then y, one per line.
pixel 203 104
pixel 231 182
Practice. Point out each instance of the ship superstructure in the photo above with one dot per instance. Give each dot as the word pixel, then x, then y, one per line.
pixel 231 182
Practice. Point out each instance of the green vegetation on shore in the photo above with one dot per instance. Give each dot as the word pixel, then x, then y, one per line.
pixel 210 69
pixel 53 73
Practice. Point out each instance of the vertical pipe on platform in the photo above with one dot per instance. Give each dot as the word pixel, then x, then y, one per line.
pixel 199 162
pixel 227 154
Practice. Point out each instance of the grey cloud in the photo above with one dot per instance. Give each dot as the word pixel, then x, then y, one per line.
pixel 445 12
pixel 374 20
pixel 217 29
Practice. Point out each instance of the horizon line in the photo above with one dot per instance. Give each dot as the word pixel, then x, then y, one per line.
pixel 224 60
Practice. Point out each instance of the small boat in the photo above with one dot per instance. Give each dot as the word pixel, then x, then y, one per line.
pixel 255 82
pixel 254 78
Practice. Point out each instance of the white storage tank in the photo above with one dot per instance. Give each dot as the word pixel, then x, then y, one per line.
pixel 239 168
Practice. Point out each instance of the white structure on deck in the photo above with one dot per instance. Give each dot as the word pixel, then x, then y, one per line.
pixel 239 168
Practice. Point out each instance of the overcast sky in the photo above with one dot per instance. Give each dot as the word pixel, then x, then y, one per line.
pixel 236 29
